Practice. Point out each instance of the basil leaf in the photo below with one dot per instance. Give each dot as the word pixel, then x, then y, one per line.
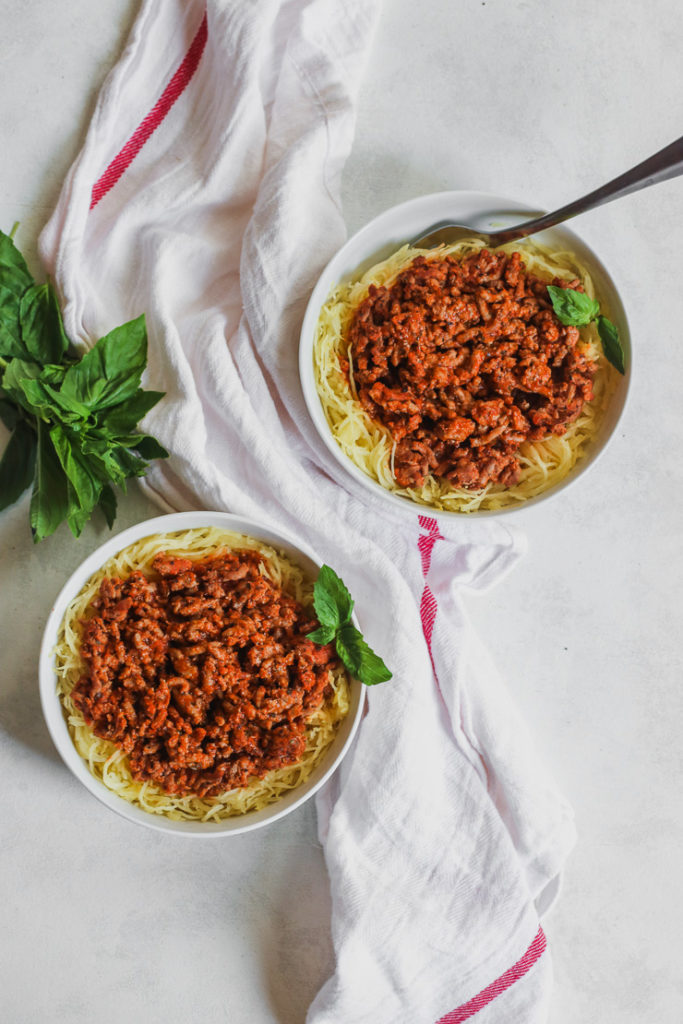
pixel 46 399
pixel 332 602
pixel 83 488
pixel 49 501
pixel 86 411
pixel 322 635
pixel 16 465
pixel 100 454
pixel 15 281
pixel 149 448
pixel 611 343
pixel 53 373
pixel 123 418
pixel 9 311
pixel 107 503
pixel 34 394
pixel 8 414
pixel 333 606
pixel 126 462
pixel 573 308
pixel 12 258
pixel 11 346
pixel 61 404
pixel 110 372
pixel 18 371
pixel 359 658
pixel 42 331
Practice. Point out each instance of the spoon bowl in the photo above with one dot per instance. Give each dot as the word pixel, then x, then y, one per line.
pixel 491 234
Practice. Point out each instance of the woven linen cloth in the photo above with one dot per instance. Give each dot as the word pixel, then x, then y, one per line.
pixel 207 196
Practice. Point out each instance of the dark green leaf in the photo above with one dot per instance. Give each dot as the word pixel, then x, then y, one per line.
pixel 123 418
pixel 123 463
pixel 571 307
pixel 36 396
pixel 49 501
pixel 85 411
pixel 110 372
pixel 149 448
pixel 84 487
pixel 8 414
pixel 15 282
pixel 359 658
pixel 11 347
pixel 322 635
pixel 60 341
pixel 108 505
pixel 11 257
pixel 41 324
pixel 77 516
pixel 332 601
pixel 611 343
pixel 101 458
pixel 18 371
pixel 54 374
pixel 9 310
pixel 17 463
pixel 44 398
pixel 65 403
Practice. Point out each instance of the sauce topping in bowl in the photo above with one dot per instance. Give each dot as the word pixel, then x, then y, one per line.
pixel 201 673
pixel 464 360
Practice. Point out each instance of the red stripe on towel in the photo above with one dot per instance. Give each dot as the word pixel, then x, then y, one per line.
pixel 487 995
pixel 428 605
pixel 145 129
pixel 425 546
pixel 428 612
pixel 430 525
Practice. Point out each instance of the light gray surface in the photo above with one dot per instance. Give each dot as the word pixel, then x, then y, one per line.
pixel 541 101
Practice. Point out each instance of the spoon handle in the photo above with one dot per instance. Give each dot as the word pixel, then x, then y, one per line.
pixel 667 163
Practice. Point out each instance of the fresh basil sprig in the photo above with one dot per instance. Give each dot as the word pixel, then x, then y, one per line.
pixel 333 605
pixel 72 421
pixel 576 309
pixel 611 343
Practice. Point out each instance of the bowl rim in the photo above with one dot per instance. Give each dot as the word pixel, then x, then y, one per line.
pixel 380 232
pixel 55 720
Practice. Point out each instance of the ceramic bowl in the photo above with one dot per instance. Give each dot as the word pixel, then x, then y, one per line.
pixel 54 715
pixel 385 235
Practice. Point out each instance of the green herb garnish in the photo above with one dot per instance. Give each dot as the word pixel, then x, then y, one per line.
pixel 72 421
pixel 611 345
pixel 333 605
pixel 576 309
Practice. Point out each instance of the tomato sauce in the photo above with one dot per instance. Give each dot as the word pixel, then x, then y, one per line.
pixel 463 360
pixel 202 673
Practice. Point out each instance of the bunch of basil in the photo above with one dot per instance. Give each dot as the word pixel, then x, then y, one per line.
pixel 72 421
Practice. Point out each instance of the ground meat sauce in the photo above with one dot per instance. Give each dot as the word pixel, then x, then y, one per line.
pixel 463 360
pixel 202 674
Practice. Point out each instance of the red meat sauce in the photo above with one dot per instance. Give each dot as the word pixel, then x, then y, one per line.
pixel 201 674
pixel 463 360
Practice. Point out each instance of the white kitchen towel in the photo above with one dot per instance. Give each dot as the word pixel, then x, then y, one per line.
pixel 207 196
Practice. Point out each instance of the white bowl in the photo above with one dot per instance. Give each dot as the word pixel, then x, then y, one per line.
pixel 385 235
pixel 56 722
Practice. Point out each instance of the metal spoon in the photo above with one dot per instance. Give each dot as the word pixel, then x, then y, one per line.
pixel 668 163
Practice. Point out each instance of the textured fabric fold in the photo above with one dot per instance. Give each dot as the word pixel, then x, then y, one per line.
pixel 207 195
